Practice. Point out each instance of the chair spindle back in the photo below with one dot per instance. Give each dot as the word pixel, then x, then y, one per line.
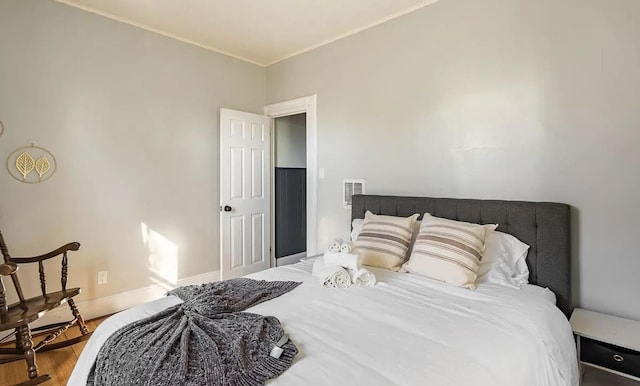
pixel 14 277
pixel 3 303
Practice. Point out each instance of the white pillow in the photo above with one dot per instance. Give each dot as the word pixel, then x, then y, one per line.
pixel 504 260
pixel 537 291
pixel 356 228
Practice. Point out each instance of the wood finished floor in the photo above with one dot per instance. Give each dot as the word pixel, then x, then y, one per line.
pixel 57 363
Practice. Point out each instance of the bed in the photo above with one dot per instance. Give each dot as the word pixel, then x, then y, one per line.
pixel 412 330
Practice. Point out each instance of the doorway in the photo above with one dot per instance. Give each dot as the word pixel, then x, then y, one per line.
pixel 247 211
pixel 307 107
pixel 290 183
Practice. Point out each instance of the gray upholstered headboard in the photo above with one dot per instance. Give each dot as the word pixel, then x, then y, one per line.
pixel 544 226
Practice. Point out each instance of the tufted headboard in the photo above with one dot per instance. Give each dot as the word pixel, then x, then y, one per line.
pixel 544 226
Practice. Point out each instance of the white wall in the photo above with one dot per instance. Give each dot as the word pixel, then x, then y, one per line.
pixel 505 99
pixel 290 141
pixel 132 118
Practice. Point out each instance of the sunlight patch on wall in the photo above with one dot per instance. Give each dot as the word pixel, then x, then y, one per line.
pixel 163 257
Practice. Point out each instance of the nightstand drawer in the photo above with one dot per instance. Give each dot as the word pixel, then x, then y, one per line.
pixel 610 356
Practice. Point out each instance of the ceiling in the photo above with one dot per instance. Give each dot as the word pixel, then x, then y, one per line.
pixel 259 31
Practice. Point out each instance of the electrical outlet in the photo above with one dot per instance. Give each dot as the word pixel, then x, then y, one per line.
pixel 102 277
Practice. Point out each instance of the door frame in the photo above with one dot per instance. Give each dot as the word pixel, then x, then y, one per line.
pixel 307 105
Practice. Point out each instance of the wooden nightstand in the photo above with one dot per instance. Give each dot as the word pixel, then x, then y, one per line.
pixel 607 342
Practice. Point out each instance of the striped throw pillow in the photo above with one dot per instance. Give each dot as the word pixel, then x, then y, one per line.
pixel 448 250
pixel 385 240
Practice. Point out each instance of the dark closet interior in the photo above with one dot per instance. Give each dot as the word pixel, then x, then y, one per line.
pixel 290 211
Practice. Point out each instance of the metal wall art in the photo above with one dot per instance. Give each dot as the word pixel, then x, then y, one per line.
pixel 1 128
pixel 31 164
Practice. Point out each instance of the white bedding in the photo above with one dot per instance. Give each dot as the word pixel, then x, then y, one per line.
pixel 407 330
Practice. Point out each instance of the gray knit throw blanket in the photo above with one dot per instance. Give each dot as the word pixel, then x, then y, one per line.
pixel 206 340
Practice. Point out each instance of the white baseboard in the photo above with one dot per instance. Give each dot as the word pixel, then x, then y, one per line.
pixel 108 305
pixel 291 259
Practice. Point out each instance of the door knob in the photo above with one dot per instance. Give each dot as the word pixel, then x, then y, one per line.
pixel 227 208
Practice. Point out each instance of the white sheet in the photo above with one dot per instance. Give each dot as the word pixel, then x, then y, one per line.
pixel 407 330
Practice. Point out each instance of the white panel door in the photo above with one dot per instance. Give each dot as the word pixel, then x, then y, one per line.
pixel 244 193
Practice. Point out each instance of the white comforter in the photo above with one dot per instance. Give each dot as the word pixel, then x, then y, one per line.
pixel 407 330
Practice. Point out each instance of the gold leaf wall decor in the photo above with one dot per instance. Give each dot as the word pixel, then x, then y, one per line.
pixel 42 166
pixel 22 163
pixel 25 164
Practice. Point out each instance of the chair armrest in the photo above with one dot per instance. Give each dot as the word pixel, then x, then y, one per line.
pixel 65 248
pixel 8 269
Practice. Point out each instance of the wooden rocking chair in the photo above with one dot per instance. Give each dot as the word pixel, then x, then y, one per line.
pixel 18 316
